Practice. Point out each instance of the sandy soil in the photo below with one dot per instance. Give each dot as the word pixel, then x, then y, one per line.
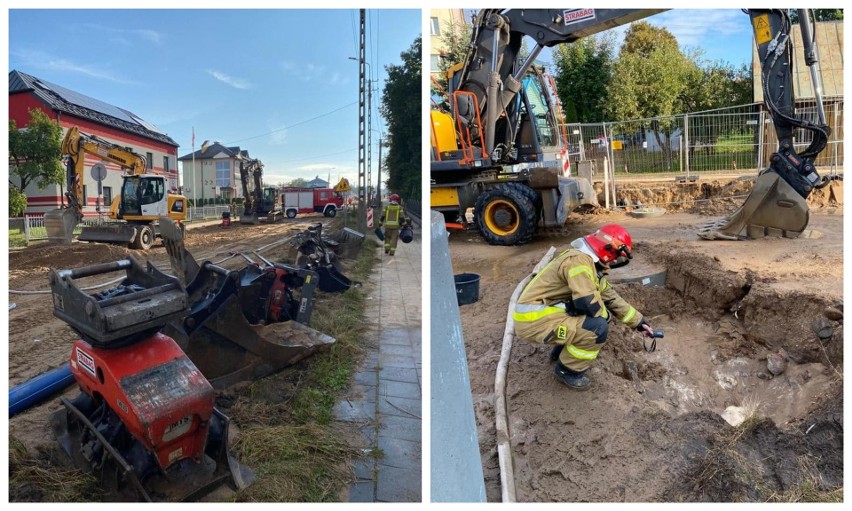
pixel 726 307
pixel 39 342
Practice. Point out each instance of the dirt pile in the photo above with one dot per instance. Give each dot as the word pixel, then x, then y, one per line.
pixel 712 197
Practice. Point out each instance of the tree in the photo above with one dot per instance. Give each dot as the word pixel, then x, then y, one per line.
pixel 298 183
pixel 403 117
pixel 583 73
pixel 17 201
pixel 649 78
pixel 819 15
pixel 455 39
pixel 716 84
pixel 35 152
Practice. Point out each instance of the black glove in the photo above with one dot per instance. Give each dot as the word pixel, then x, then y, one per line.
pixel 641 327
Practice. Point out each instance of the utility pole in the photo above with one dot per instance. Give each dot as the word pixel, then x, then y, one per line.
pixel 378 202
pixel 362 142
pixel 369 139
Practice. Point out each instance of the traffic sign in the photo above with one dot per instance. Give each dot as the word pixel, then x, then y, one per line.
pixel 343 185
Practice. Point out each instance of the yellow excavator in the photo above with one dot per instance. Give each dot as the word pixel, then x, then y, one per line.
pixel 144 198
pixel 499 121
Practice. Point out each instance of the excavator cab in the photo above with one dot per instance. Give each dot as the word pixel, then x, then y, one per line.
pixel 143 195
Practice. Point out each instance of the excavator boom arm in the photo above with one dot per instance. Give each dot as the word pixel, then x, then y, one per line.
pixel 76 145
pixel 490 71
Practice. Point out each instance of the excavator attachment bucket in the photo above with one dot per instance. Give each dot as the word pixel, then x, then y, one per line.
pixel 349 243
pixel 226 334
pixel 331 280
pixel 221 341
pixel 60 224
pixel 122 234
pixel 251 219
pixel 773 208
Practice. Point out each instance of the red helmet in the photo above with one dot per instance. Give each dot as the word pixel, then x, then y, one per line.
pixel 394 197
pixel 611 243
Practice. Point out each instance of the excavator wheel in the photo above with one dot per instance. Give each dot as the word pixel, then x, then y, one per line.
pixel 505 215
pixel 144 238
pixel 531 194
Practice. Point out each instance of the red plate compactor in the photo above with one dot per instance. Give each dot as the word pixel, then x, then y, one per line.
pixel 145 421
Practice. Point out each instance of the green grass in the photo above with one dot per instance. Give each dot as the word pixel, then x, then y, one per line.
pixel 32 478
pixel 289 438
pixel 17 238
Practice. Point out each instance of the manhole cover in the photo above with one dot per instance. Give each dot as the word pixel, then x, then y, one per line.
pixel 645 212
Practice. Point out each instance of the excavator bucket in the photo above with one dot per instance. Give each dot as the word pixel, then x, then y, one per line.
pixel 227 334
pixel 349 243
pixel 249 219
pixel 122 234
pixel 60 224
pixel 773 208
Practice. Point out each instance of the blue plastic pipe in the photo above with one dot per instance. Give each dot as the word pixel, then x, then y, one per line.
pixel 39 388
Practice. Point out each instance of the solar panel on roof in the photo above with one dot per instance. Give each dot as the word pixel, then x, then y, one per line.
pixel 87 102
pixel 147 124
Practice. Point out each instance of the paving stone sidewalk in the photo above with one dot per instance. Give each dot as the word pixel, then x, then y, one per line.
pixel 385 399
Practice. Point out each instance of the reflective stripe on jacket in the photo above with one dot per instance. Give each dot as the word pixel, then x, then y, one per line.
pixel 391 215
pixel 571 284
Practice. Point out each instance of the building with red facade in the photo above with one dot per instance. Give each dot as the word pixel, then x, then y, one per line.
pixel 119 126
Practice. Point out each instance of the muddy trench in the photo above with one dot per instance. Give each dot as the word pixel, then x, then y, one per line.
pixel 741 401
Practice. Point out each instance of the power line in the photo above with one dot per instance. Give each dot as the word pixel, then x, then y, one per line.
pixel 292 125
pixel 316 157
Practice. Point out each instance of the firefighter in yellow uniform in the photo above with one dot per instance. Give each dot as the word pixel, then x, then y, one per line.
pixel 570 303
pixel 392 219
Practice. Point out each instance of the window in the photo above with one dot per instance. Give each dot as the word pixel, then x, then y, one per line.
pixel 150 160
pixel 223 173
pixel 540 112
pixel 435 63
pixel 153 190
pixel 165 164
pixel 107 195
pixel 436 26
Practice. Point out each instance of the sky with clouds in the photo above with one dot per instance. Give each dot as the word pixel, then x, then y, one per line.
pixel 278 83
pixel 720 34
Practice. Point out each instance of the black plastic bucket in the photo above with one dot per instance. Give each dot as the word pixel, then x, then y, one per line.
pixel 467 288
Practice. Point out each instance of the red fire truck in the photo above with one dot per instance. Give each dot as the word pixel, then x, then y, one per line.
pixel 310 200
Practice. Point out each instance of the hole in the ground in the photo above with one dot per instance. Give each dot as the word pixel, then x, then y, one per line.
pixel 731 347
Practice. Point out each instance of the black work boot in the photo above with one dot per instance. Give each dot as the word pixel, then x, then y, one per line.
pixel 573 379
pixel 554 353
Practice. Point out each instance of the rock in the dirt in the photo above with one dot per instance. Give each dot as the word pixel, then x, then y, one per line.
pixel 631 372
pixel 776 363
pixel 764 376
pixel 833 314
pixel 734 415
pixel 823 328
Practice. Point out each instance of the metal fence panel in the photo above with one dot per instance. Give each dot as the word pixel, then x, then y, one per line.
pixel 735 140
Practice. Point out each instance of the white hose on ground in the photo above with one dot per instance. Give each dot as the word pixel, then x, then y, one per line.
pixel 47 291
pixel 501 410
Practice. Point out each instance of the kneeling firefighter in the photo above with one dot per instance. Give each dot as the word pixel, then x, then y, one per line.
pixel 570 303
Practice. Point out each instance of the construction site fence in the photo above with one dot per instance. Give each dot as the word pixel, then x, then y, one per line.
pixel 735 140
pixel 30 228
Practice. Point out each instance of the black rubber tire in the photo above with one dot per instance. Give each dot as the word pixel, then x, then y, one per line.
pixel 330 212
pixel 522 215
pixel 291 213
pixel 144 238
pixel 531 194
